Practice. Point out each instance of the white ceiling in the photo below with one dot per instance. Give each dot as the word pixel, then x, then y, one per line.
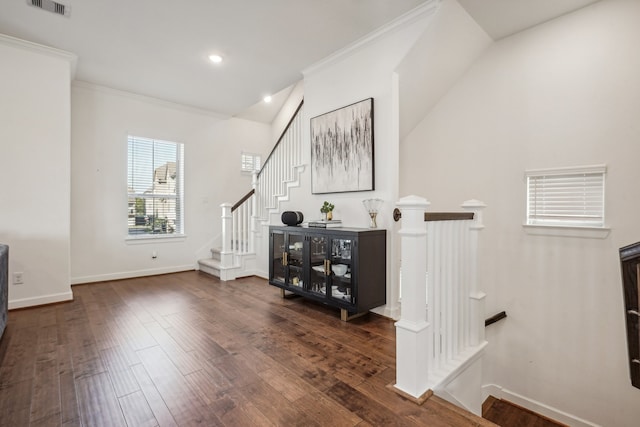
pixel 160 48
pixel 501 18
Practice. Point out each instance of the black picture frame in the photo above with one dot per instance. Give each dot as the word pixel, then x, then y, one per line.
pixel 342 149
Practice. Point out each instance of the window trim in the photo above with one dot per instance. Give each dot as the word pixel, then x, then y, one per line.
pixel 178 196
pixel 155 238
pixel 569 227
pixel 567 231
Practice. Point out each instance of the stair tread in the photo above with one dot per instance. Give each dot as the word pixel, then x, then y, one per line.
pixel 210 262
pixel 215 263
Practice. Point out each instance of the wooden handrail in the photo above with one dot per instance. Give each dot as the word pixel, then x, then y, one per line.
pixel 244 199
pixel 281 136
pixel 438 216
pixel 496 317
pixel 447 216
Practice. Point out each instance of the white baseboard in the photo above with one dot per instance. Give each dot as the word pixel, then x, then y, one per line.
pixel 535 406
pixel 131 274
pixel 262 274
pixel 40 300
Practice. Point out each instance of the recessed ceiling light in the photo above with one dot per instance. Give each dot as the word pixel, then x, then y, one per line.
pixel 216 59
pixel 267 99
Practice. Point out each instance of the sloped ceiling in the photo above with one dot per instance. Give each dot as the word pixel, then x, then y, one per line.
pixel 501 18
pixel 457 36
pixel 446 49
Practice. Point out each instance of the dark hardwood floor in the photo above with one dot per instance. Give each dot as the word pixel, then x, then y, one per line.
pixel 507 414
pixel 186 349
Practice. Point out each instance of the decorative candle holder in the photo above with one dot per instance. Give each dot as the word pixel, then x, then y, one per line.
pixel 373 207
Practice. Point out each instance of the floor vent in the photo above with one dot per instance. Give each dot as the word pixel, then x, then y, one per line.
pixel 51 6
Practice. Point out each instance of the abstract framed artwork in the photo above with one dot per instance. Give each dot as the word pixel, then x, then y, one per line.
pixel 342 149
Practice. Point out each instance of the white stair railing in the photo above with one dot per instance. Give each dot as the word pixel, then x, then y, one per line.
pixel 241 241
pixel 240 222
pixel 280 169
pixel 432 344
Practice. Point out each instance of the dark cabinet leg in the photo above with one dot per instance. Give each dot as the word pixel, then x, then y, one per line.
pixel 345 317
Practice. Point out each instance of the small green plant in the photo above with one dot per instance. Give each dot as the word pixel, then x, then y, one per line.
pixel 326 207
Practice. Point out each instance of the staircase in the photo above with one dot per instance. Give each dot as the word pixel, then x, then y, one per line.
pixel 211 265
pixel 439 350
pixel 242 222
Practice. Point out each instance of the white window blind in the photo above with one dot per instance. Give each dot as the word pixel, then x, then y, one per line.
pixel 155 187
pixel 572 197
pixel 250 162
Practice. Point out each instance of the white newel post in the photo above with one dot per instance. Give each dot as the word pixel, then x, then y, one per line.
pixel 413 332
pixel 226 254
pixel 477 297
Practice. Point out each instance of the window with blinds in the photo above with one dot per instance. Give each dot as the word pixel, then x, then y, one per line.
pixel 571 197
pixel 155 187
pixel 250 162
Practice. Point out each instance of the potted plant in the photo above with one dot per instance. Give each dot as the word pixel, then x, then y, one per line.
pixel 327 210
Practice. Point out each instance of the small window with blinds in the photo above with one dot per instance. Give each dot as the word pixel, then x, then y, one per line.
pixel 250 162
pixel 569 197
pixel 155 187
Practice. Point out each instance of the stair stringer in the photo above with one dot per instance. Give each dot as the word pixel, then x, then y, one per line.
pixel 460 381
pixel 271 216
pixel 266 217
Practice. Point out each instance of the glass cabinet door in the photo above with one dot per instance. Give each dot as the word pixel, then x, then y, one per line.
pixel 295 260
pixel 319 265
pixel 278 266
pixel 287 265
pixel 340 278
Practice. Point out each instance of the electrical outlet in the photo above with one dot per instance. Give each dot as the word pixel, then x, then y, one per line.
pixel 17 278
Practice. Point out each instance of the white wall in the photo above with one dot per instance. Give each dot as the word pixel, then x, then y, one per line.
pixel 285 114
pixel 34 170
pixel 102 119
pixel 349 76
pixel 565 93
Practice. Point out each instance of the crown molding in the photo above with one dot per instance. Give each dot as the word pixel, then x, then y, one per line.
pixel 148 99
pixel 423 11
pixel 72 58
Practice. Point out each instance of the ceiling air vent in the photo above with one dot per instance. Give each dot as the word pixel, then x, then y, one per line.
pixel 51 6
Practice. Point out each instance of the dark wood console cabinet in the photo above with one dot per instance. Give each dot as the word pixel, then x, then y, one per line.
pixel 630 267
pixel 341 267
pixel 4 286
